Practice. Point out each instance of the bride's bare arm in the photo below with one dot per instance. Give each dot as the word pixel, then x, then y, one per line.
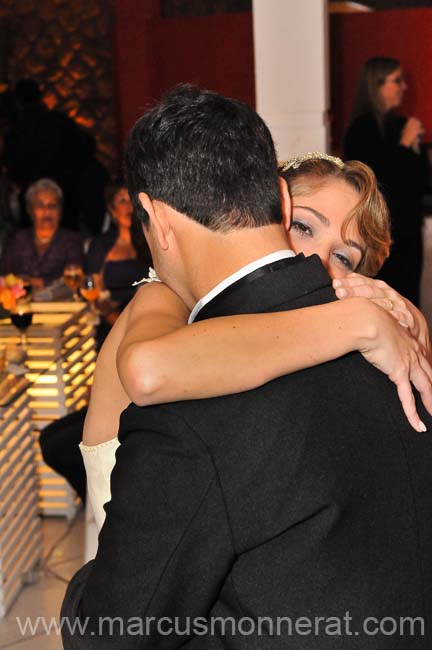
pixel 158 311
pixel 237 353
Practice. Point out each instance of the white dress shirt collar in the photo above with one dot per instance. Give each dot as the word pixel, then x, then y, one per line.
pixel 241 273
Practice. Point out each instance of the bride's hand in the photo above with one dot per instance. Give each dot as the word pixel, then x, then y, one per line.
pixel 383 295
pixel 395 352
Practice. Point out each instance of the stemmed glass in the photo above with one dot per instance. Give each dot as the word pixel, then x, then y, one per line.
pixel 73 275
pixel 90 291
pixel 21 317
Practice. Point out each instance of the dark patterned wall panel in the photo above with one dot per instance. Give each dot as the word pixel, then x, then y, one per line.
pixel 66 46
pixel 173 8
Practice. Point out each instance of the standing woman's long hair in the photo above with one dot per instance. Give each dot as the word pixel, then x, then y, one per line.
pixel 372 75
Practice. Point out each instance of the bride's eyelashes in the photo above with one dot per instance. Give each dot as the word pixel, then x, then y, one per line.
pixel 302 228
pixel 345 261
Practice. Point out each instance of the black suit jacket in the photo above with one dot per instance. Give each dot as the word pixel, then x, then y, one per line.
pixel 295 511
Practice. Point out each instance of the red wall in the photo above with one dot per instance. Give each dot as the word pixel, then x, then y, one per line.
pixel 405 34
pixel 153 54
pixel 132 58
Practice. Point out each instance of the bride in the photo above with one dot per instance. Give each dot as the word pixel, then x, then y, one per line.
pixel 337 213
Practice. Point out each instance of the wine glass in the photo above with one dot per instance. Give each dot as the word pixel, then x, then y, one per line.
pixel 90 291
pixel 73 275
pixel 21 317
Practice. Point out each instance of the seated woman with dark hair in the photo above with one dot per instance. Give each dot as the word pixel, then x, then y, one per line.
pixel 119 255
pixel 43 250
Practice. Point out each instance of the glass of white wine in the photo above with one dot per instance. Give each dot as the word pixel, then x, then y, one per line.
pixel 90 291
pixel 73 275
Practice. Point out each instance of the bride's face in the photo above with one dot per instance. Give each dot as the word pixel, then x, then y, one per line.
pixel 317 220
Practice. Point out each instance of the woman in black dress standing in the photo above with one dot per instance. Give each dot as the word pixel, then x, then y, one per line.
pixel 390 145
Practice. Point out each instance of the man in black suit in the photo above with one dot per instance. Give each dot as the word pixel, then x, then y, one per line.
pixel 296 515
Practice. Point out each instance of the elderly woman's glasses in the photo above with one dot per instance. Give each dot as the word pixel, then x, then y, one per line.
pixel 45 206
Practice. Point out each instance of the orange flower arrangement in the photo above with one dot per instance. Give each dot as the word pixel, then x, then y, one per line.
pixel 11 288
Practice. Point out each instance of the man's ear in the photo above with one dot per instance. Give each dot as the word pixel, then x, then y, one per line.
pixel 285 203
pixel 158 223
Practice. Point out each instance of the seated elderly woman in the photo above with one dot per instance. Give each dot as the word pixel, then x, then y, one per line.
pixel 43 250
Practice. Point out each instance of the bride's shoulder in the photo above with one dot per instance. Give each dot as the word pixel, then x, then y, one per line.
pixel 156 296
pixel 151 277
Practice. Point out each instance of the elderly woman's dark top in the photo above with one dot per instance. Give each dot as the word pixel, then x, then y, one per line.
pixel 21 256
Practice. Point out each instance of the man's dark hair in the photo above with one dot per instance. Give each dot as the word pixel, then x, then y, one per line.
pixel 209 157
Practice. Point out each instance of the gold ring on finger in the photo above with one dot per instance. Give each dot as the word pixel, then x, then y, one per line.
pixel 391 305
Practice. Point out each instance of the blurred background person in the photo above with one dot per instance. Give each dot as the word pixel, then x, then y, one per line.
pixel 93 179
pixel 8 217
pixel 42 250
pixel 120 256
pixel 43 143
pixel 390 145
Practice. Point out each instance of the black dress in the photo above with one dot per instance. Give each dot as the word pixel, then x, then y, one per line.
pixel 118 276
pixel 402 176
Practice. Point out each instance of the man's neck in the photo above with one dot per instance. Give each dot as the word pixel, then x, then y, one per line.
pixel 273 261
pixel 224 254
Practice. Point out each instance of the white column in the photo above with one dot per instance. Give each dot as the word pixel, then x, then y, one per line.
pixel 291 72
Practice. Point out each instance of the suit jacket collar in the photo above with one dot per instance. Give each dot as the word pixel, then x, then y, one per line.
pixel 268 260
pixel 269 288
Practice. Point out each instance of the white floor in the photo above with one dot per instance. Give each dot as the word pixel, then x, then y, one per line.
pixel 63 553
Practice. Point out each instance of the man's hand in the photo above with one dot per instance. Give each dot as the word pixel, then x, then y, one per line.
pixel 395 352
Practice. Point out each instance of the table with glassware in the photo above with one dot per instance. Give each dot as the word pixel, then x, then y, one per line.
pixel 20 533
pixel 60 362
pixel 47 359
pixel 60 359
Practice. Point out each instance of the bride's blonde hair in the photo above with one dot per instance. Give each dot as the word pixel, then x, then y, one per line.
pixel 308 174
